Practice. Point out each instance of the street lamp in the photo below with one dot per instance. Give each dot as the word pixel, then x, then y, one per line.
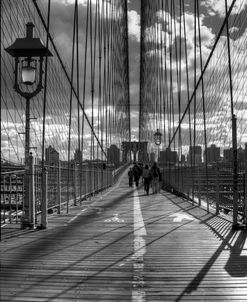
pixel 157 137
pixel 157 141
pixel 29 54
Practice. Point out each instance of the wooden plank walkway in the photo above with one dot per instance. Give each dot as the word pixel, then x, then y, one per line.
pixel 126 246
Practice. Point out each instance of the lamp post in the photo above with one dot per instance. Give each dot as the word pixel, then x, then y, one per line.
pixel 157 140
pixel 29 54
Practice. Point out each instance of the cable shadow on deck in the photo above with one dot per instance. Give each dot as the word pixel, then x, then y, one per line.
pixel 40 244
pixel 233 241
pixel 86 257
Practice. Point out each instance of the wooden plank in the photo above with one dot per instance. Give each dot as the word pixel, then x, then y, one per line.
pixel 89 254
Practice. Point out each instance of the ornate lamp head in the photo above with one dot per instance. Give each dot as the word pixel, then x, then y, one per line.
pixel 29 53
pixel 157 137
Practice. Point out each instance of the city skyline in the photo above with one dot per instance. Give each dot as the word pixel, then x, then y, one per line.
pixel 218 125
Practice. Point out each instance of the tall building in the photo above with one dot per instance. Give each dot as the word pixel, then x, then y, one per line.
pixel 168 156
pixel 51 156
pixel 241 154
pixel 113 155
pixel 195 155
pixel 213 154
pixel 78 156
pixel 228 154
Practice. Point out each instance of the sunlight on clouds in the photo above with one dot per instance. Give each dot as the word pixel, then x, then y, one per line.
pixel 82 2
pixel 218 7
pixel 134 25
pixel 233 29
pixel 108 6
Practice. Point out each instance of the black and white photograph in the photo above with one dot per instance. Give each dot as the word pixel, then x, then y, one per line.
pixel 123 150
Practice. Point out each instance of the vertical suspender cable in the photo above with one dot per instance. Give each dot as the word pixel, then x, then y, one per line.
pixel 234 132
pixel 164 67
pixel 84 78
pixel 45 88
pixel 203 104
pixel 205 65
pixel 43 180
pixel 64 69
pixel 91 74
pixel 127 62
pixel 99 70
pixel 78 77
pixel 141 91
pixel 187 80
pixel 193 150
pixel 69 167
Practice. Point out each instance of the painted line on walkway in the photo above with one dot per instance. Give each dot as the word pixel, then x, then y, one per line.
pixel 98 198
pixel 138 283
pixel 73 218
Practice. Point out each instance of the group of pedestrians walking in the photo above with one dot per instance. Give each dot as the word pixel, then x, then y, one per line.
pixel 149 176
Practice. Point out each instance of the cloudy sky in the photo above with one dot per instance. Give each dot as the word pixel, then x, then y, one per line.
pixel 216 80
pixel 212 13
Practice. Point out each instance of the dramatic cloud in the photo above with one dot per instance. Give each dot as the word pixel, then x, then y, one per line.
pixel 134 25
pixel 217 7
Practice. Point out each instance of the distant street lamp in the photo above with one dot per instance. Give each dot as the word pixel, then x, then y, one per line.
pixel 157 141
pixel 157 137
pixel 29 54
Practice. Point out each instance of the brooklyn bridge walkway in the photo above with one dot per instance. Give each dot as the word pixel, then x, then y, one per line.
pixel 125 246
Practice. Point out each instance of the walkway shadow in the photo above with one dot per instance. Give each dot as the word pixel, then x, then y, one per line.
pixel 236 265
pixel 233 241
pixel 31 250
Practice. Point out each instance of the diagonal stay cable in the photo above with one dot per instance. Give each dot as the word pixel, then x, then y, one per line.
pixel 204 69
pixel 66 73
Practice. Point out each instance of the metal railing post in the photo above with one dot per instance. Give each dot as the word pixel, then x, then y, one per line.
pixel 74 183
pixel 87 180
pixel 235 173
pixel 44 222
pixel 245 186
pixel 27 219
pixel 59 188
pixel 199 187
pixel 10 198
pixel 80 182
pixel 32 193
pixel 217 189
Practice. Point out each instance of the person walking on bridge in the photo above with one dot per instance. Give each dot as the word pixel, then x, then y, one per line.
pixel 146 175
pixel 131 176
pixel 156 176
pixel 137 174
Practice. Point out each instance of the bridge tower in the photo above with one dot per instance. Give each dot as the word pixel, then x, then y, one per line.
pixel 138 148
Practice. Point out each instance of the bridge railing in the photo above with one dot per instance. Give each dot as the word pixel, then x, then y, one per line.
pixel 12 189
pixel 211 185
pixel 64 187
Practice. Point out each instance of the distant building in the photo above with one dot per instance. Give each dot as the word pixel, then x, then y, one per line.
pixel 113 155
pixel 51 156
pixel 78 156
pixel 213 154
pixel 152 157
pixel 168 156
pixel 195 155
pixel 241 154
pixel 228 155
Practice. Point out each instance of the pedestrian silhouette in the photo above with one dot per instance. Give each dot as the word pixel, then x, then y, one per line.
pixel 156 178
pixel 131 176
pixel 146 175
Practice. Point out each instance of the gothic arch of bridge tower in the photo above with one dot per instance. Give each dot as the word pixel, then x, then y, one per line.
pixel 137 148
